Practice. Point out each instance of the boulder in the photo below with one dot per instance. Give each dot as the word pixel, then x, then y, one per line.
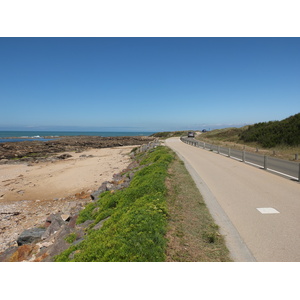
pixel 96 194
pixel 103 188
pixel 56 222
pixel 56 245
pixel 31 235
pixel 66 217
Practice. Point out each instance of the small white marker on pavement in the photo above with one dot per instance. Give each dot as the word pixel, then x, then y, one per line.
pixel 268 210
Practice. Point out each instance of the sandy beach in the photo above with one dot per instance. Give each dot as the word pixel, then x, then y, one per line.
pixel 50 180
pixel 30 192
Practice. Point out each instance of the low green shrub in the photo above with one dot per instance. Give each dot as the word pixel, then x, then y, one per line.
pixel 136 228
pixel 86 214
pixel 71 238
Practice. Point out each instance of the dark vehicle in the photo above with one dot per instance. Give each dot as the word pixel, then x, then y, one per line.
pixel 191 134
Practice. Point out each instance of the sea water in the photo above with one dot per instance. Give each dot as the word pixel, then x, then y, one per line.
pixel 18 136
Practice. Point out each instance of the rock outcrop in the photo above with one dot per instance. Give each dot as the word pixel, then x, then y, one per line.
pixel 33 150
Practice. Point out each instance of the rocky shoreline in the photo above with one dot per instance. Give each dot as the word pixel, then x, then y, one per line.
pixel 33 150
pixel 52 227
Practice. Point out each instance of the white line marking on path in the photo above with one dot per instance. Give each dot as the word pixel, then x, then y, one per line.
pixel 268 210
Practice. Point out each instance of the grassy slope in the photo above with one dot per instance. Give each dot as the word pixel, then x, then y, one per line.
pixel 285 133
pixel 274 133
pixel 162 203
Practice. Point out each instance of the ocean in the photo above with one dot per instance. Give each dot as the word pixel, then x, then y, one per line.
pixel 18 136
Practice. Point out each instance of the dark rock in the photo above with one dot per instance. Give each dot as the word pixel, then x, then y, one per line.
pixel 30 236
pixel 96 194
pixel 64 156
pixel 56 217
pixel 57 247
pixel 47 224
pixel 63 144
pixel 72 222
pixel 56 223
pixel 103 188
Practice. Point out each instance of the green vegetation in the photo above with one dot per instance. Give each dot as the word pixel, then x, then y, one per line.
pixel 168 134
pixel 274 133
pixel 230 134
pixel 160 217
pixel 280 139
pixel 136 227
pixel 71 238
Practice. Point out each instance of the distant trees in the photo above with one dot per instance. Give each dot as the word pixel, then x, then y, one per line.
pixel 274 133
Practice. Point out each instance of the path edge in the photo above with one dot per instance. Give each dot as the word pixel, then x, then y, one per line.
pixel 238 250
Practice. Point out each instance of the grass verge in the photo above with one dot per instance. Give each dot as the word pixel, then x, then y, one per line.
pixel 192 234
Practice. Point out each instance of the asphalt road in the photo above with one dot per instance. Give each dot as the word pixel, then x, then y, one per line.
pixel 258 212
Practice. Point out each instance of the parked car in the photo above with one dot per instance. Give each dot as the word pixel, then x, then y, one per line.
pixel 191 134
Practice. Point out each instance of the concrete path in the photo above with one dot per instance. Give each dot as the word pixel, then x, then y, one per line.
pixel 258 212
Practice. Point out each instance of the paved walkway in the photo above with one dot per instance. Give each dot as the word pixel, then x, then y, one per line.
pixel 259 212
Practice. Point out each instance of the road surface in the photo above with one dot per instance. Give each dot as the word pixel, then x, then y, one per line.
pixel 258 212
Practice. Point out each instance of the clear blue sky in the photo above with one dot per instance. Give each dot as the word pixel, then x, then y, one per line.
pixel 147 84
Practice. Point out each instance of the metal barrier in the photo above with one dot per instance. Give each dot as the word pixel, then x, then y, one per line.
pixel 276 165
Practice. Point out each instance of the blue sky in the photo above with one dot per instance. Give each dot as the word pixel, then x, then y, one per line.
pixel 146 84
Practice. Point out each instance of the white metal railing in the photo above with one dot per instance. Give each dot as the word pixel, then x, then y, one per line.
pixel 278 166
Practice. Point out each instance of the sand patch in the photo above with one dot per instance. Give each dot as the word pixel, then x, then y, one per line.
pixel 62 178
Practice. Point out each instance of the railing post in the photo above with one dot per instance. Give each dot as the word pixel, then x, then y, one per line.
pixel 244 154
pixel 228 152
pixel 299 174
pixel 203 145
pixel 265 162
pixel 218 149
